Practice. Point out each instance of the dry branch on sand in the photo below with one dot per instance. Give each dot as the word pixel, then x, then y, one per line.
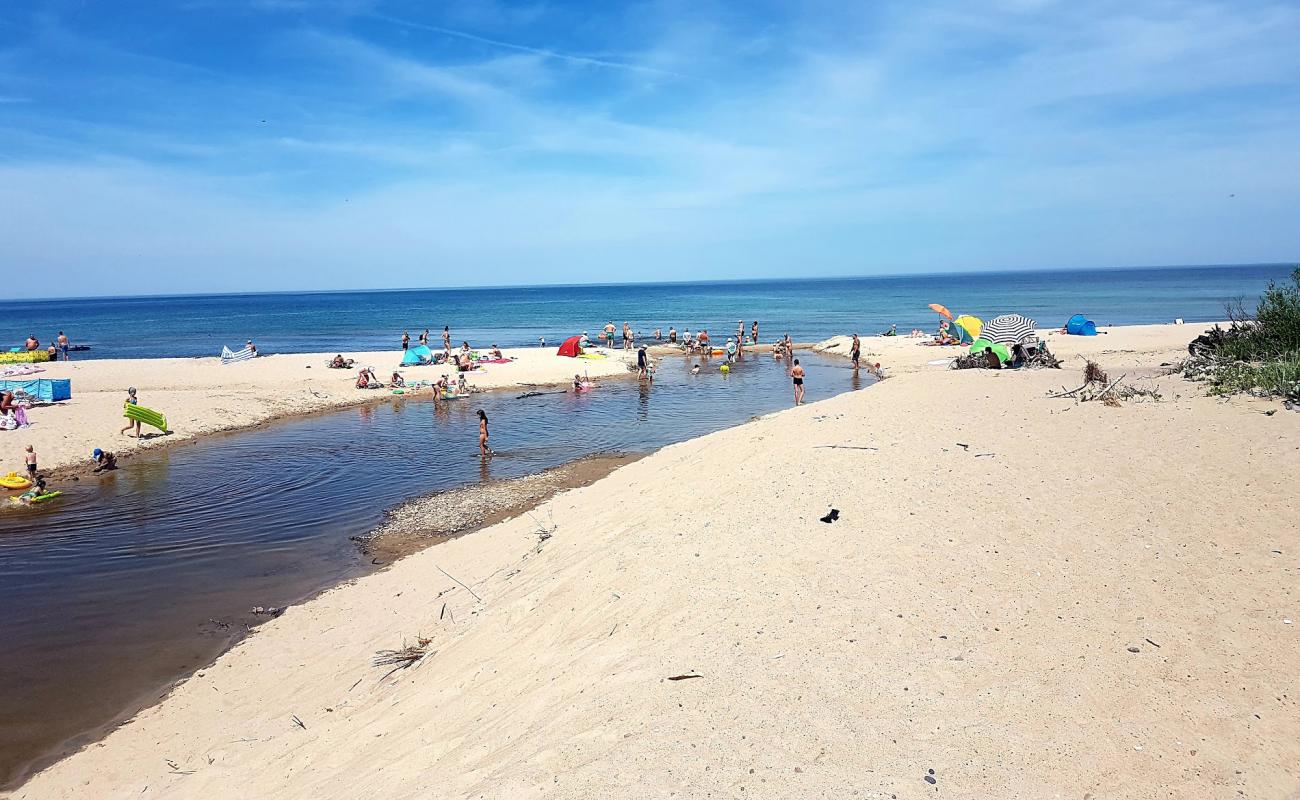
pixel 400 659
pixel 1097 385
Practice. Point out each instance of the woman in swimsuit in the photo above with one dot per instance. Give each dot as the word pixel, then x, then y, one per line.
pixel 796 372
pixel 483 434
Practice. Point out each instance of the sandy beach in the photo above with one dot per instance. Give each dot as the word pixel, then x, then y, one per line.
pixel 1120 346
pixel 1022 596
pixel 201 395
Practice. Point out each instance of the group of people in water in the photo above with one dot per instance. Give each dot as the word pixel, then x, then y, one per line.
pixel 58 350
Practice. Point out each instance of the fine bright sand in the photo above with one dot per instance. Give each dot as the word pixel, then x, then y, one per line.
pixel 1022 597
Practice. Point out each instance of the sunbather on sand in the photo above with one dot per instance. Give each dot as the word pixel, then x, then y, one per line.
pixel 366 379
pixel 398 381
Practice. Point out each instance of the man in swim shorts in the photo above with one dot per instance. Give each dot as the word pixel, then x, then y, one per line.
pixel 63 344
pixel 796 373
pixel 855 352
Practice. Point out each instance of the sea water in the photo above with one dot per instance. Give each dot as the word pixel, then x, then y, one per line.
pixel 807 309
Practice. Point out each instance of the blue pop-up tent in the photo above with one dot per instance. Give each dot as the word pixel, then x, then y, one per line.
pixel 44 390
pixel 420 354
pixel 1079 325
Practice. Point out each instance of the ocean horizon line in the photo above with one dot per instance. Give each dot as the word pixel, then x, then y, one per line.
pixel 617 284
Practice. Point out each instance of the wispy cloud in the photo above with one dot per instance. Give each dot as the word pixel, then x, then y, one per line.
pixel 538 51
pixel 840 139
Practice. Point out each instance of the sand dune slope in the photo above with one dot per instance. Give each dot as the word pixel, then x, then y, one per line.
pixel 971 612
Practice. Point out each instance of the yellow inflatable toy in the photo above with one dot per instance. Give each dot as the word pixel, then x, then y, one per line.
pixel 724 368
pixel 15 481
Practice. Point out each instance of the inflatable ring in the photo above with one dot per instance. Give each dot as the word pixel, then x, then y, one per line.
pixel 15 481
pixel 724 368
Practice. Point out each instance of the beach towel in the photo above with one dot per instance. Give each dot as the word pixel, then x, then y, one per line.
pixel 229 356
pixel 9 372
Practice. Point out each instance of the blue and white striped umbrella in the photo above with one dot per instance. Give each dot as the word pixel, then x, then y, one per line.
pixel 1008 329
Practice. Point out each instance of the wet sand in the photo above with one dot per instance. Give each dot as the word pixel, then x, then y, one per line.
pixel 439 516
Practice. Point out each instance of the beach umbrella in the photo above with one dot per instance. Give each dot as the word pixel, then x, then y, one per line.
pixel 941 310
pixel 1008 329
pixel 972 325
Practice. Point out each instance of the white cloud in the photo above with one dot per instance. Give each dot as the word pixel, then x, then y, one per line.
pixel 1014 134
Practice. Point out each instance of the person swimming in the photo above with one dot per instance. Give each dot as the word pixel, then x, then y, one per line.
pixel 36 490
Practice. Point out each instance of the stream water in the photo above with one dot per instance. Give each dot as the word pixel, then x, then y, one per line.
pixel 137 577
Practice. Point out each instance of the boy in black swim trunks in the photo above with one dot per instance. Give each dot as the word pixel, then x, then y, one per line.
pixel 796 372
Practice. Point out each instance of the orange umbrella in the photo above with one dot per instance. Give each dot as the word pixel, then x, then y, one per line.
pixel 941 310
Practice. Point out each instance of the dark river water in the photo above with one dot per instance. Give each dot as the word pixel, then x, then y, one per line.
pixel 137 577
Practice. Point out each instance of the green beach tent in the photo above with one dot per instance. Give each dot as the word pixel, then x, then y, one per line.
pixel 979 345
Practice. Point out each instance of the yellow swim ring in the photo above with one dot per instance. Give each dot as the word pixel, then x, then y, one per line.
pixel 14 481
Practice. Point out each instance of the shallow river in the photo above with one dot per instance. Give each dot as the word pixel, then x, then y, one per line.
pixel 137 577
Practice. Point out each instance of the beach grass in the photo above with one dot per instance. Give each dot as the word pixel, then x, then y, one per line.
pixel 1257 354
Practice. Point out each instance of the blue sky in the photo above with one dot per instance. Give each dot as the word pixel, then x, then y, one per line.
pixel 200 145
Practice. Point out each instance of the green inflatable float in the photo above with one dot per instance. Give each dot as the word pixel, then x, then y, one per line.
pixel 138 413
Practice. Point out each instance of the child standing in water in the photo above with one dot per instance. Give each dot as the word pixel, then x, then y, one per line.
pixel 483 434
pixel 29 458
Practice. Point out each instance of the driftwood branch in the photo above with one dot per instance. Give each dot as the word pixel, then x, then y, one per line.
pixel 1070 393
pixel 463 586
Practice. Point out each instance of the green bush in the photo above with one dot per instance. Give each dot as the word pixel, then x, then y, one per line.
pixel 1275 330
pixel 1260 355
